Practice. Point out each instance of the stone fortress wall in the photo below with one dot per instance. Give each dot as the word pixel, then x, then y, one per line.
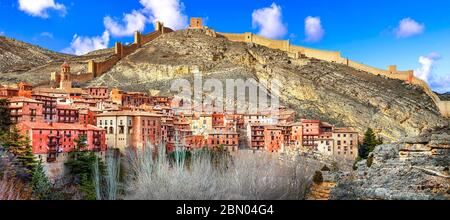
pixel 335 57
pixel 97 68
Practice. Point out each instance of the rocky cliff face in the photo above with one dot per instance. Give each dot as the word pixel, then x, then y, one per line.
pixel 315 89
pixel 413 168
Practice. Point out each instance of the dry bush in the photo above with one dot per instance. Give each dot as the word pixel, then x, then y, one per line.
pixel 11 187
pixel 248 176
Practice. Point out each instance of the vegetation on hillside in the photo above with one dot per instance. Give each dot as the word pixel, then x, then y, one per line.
pixel 369 143
pixel 213 175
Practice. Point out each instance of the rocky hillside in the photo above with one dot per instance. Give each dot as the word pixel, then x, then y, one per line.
pixel 16 56
pixel 445 96
pixel 315 89
pixel 413 168
pixel 20 61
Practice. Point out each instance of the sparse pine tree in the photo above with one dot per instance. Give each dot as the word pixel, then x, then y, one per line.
pixel 318 177
pixel 369 143
pixel 40 184
pixel 5 117
pixel 81 165
pixel 20 147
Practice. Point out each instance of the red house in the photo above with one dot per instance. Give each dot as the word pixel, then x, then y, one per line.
pixel 98 92
pixel 67 114
pixel 25 109
pixel 51 139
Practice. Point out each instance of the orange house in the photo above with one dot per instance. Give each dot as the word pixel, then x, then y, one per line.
pixel 218 119
pixel 223 136
pixel 25 89
pixel 255 135
pixel 6 91
pixel 273 138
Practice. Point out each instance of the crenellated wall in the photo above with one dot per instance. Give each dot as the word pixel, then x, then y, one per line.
pixel 97 68
pixel 129 49
pixel 149 37
pixel 331 56
pixel 334 56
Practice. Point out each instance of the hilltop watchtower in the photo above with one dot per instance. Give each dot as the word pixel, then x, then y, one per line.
pixel 196 23
pixel 65 81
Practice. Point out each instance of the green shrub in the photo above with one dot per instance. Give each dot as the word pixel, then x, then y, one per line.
pixel 318 178
pixel 369 161
pixel 325 168
pixel 356 162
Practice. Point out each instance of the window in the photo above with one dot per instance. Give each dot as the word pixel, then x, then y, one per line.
pixel 339 142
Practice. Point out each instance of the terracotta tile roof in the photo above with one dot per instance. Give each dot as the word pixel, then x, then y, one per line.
pixel 129 113
pixel 66 107
pixel 272 127
pixel 59 91
pixel 22 99
pixel 310 121
pixel 58 126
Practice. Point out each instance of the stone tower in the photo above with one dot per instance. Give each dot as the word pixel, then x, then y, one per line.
pixel 196 23
pixel 65 81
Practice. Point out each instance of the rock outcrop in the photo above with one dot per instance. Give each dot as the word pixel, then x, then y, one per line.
pixel 414 168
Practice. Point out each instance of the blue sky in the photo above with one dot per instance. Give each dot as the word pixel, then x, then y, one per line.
pixel 412 34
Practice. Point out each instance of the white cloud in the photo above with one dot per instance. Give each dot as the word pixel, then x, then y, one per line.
pixel 269 21
pixel 38 8
pixel 135 21
pixel 170 12
pixel 47 34
pixel 82 45
pixel 439 83
pixel 314 31
pixel 408 27
pixel 2 33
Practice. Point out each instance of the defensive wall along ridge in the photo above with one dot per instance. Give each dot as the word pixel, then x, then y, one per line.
pixel 97 68
pixel 335 57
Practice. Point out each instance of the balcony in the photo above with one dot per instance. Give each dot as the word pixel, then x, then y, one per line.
pixel 51 158
pixel 53 148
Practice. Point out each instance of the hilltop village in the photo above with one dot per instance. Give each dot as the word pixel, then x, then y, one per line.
pixel 54 119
